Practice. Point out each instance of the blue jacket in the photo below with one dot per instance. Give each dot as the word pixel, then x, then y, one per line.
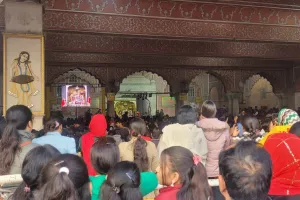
pixel 62 143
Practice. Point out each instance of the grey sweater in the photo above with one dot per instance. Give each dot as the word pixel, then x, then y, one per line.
pixel 17 164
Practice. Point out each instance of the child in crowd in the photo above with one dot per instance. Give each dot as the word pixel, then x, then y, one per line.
pixel 122 183
pixel 104 156
pixel 65 177
pixel 33 163
pixel 53 137
pixel 156 133
pixel 251 129
pixel 183 176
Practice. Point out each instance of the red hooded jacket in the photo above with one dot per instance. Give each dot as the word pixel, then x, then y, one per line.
pixel 98 128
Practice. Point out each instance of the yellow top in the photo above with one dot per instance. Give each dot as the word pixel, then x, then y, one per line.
pixel 275 130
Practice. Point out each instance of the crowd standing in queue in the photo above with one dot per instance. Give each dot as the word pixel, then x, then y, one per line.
pixel 200 154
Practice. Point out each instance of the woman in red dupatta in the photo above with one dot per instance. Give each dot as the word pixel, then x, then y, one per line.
pixel 284 149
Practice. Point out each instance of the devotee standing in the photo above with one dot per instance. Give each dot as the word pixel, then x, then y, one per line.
pixel 285 154
pixel 53 137
pixel 185 133
pixel 286 119
pixel 16 139
pixel 245 172
pixel 218 139
pixel 98 128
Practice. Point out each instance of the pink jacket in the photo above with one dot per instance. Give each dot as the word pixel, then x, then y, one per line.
pixel 218 139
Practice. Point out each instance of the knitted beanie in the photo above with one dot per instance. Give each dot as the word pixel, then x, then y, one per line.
pixel 287 117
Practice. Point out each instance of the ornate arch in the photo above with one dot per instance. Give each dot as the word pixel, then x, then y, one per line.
pixel 82 76
pixel 212 73
pixel 167 74
pixel 161 84
pixel 277 78
pixel 254 79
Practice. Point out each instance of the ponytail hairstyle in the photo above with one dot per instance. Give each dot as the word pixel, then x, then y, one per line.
pixel 17 118
pixel 32 165
pixel 122 183
pixel 138 128
pixel 105 154
pixel 192 174
pixel 53 125
pixel 65 177
pixel 251 125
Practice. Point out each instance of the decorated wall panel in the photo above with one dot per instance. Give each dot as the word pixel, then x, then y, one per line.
pixel 120 24
pixel 204 62
pixel 229 12
pixel 83 42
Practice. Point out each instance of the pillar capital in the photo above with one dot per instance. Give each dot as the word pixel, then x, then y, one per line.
pixel 234 95
pixel 113 87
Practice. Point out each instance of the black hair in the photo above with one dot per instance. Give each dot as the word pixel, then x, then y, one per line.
pixel 209 109
pixel 138 128
pixel 22 53
pixel 265 124
pixel 187 115
pixel 53 124
pixel 251 125
pixel 32 165
pixel 104 154
pixel 17 118
pixel 57 184
pixel 246 170
pixel 2 126
pixel 122 183
pixel 295 129
pixel 156 133
pixel 192 177
pixel 124 133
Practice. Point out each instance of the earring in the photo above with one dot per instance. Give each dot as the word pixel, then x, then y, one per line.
pixel 172 185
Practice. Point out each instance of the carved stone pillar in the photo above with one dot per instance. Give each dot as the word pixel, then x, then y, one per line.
pixel 23 33
pixel 179 90
pixel 113 88
pixel 282 99
pixel 111 108
pixel 233 102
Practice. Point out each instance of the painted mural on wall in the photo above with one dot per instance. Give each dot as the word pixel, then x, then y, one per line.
pixel 24 72
pixel 23 80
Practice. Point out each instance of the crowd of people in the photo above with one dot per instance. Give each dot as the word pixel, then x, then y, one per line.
pixel 199 155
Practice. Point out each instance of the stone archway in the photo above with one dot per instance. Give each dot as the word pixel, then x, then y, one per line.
pixel 201 88
pixel 73 77
pixel 76 76
pixel 258 91
pixel 149 91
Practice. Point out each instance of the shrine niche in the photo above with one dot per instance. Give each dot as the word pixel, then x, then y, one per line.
pixel 78 78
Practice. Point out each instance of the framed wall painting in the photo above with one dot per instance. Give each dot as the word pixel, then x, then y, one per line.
pixel 23 72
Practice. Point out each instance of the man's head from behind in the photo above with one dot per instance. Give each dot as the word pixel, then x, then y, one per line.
pixel 245 172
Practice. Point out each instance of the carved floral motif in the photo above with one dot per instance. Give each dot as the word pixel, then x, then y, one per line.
pixel 57 20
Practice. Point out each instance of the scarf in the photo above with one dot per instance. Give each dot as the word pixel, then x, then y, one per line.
pixel 285 154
